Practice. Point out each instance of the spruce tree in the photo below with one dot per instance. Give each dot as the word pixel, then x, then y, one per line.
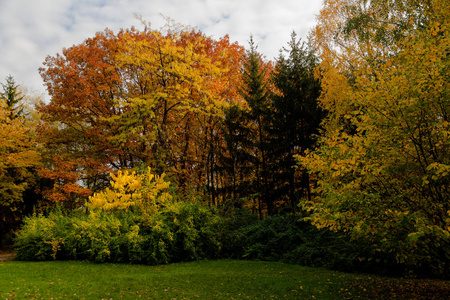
pixel 236 159
pixel 295 120
pixel 12 97
pixel 256 93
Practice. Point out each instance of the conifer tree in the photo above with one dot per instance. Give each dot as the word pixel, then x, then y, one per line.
pixel 236 158
pixel 295 120
pixel 12 97
pixel 255 92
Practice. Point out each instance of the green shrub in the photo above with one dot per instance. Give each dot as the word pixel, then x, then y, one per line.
pixel 230 232
pixel 179 232
pixel 31 243
pixel 41 237
pixel 91 237
pixel 185 231
pixel 272 238
pixel 194 229
pixel 288 238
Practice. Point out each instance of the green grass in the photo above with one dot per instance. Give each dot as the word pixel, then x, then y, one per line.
pixel 223 279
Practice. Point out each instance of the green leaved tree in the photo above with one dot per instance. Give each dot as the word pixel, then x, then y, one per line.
pixel 12 98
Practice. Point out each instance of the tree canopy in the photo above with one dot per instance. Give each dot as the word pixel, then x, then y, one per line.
pixel 348 130
pixel 383 162
pixel 119 100
pixel 19 157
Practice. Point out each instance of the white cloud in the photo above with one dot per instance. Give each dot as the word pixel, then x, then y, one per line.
pixel 31 30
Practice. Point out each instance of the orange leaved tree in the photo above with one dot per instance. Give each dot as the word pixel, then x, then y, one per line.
pixel 136 97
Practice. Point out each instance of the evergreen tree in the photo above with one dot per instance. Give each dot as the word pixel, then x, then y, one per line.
pixel 236 159
pixel 12 97
pixel 255 92
pixel 295 120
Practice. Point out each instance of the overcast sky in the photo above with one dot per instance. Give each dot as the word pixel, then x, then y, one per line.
pixel 30 30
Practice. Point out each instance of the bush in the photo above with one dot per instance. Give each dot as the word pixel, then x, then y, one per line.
pixel 40 238
pixel 136 220
pixel 185 232
pixel 179 232
pixel 287 238
pixel 230 228
pixel 271 238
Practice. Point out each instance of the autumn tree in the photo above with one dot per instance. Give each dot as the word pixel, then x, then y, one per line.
pixel 132 98
pixel 211 141
pixel 185 74
pixel 82 82
pixel 383 162
pixel 18 158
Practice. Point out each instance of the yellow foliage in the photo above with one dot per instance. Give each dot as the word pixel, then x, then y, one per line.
pixel 130 189
pixel 18 155
pixel 383 163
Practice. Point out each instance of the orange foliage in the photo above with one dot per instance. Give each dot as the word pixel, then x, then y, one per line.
pixel 119 100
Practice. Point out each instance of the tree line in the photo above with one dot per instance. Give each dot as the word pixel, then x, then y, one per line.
pixel 349 130
pixel 222 122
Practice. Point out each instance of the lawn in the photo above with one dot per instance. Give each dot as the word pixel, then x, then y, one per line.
pixel 223 279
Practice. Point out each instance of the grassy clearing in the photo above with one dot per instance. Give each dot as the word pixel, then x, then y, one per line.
pixel 224 279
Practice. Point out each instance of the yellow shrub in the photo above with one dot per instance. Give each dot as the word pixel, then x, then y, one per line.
pixel 129 189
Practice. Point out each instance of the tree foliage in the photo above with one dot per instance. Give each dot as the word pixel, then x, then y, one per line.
pixel 277 120
pixel 12 98
pixel 119 100
pixel 383 161
pixel 226 126
pixel 129 189
pixel 255 91
pixel 19 157
pixel 236 160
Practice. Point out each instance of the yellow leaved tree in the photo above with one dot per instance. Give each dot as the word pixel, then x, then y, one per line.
pixel 383 164
pixel 19 158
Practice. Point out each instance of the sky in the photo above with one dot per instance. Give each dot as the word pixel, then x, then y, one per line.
pixel 31 30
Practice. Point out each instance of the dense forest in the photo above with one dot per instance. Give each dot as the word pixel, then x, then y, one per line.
pixel 167 145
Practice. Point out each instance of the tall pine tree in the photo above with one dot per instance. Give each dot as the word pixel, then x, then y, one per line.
pixel 236 158
pixel 12 97
pixel 256 93
pixel 296 117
